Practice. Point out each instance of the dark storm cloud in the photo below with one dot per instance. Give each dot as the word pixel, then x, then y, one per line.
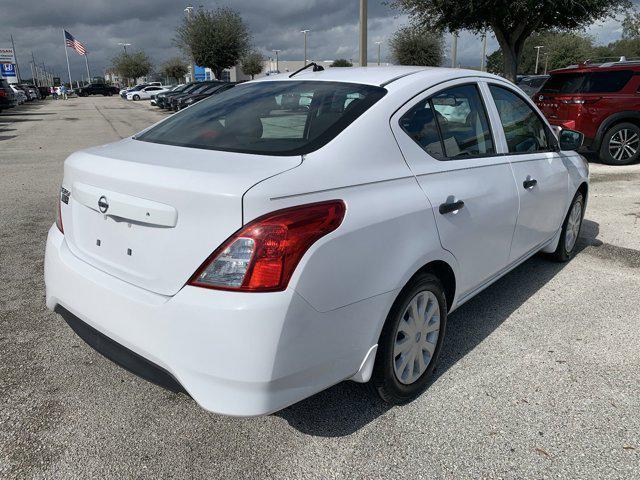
pixel 150 24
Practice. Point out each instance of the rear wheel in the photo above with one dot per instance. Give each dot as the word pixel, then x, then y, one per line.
pixel 621 144
pixel 410 341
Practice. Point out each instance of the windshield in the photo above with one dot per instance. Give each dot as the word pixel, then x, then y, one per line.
pixel 272 118
pixel 589 82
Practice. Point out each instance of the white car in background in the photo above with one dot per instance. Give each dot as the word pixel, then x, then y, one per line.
pixel 147 92
pixel 21 96
pixel 301 230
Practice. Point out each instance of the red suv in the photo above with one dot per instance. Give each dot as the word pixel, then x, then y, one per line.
pixel 601 101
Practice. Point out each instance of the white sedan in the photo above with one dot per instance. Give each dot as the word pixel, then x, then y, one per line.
pixel 146 92
pixel 301 230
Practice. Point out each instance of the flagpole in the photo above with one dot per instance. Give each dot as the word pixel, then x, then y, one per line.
pixel 86 61
pixel 64 39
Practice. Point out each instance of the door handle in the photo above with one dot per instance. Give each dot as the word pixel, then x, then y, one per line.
pixel 450 207
pixel 529 183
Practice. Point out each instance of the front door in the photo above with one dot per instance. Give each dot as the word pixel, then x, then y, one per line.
pixel 447 141
pixel 540 175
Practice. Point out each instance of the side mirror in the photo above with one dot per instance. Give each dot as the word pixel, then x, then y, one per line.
pixel 570 140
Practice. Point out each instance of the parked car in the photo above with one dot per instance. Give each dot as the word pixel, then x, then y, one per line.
pixel 254 252
pixel 44 92
pixel 175 88
pixel 531 84
pixel 7 97
pixel 201 87
pixel 164 99
pixel 190 99
pixel 146 92
pixel 123 92
pixel 21 96
pixel 97 89
pixel 602 102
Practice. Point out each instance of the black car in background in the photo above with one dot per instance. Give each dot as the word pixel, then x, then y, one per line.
pixel 199 88
pixel 214 89
pixel 97 89
pixel 7 97
pixel 163 99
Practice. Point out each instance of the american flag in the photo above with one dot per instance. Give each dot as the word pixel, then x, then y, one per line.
pixel 75 44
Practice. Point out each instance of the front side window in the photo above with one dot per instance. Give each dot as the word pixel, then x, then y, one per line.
pixel 271 118
pixel 524 130
pixel 450 125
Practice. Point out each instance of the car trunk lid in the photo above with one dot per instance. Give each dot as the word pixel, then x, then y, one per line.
pixel 150 214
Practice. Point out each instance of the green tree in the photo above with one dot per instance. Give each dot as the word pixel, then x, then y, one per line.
pixel 175 68
pixel 131 66
pixel 560 49
pixel 511 21
pixel 253 63
pixel 631 25
pixel 216 39
pixel 415 45
pixel 342 62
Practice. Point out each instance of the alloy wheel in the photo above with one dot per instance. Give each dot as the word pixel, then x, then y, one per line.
pixel 624 144
pixel 416 337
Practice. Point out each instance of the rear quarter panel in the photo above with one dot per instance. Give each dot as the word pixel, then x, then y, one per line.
pixel 389 231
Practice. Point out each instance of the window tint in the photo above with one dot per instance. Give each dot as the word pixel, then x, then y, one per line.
pixel 590 82
pixel 276 118
pixel 524 130
pixel 451 124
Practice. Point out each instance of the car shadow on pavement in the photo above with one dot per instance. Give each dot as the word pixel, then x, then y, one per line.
pixel 347 407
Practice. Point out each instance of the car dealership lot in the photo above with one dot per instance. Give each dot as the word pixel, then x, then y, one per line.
pixel 539 375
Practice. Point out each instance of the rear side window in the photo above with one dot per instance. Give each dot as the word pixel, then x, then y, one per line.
pixel 589 82
pixel 451 124
pixel 271 118
pixel 524 130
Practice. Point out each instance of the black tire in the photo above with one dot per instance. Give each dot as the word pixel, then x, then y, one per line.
pixel 136 98
pixel 605 154
pixel 565 252
pixel 384 380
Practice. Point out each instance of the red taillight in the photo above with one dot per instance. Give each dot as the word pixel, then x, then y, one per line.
pixel 262 256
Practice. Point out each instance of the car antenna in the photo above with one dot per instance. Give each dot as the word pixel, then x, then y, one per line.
pixel 316 68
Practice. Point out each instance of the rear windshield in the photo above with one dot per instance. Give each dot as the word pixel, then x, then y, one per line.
pixel 590 82
pixel 272 118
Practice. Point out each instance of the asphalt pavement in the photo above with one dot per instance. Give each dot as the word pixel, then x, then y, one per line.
pixel 539 375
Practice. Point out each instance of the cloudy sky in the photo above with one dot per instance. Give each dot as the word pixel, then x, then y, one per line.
pixel 149 25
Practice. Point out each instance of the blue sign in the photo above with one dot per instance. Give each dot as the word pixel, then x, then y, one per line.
pixel 200 74
pixel 7 69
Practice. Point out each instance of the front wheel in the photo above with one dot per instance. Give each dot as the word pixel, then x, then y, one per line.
pixel 570 230
pixel 410 341
pixel 136 97
pixel 621 144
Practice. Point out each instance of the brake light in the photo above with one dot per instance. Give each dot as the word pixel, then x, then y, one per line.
pixel 262 256
pixel 2 93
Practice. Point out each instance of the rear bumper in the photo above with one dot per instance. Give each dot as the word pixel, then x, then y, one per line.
pixel 235 353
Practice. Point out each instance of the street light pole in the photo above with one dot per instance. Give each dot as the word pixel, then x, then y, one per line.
pixel 379 56
pixel 454 50
pixel 483 63
pixel 305 45
pixel 363 33
pixel 538 57
pixel 277 62
pixel 189 11
pixel 124 46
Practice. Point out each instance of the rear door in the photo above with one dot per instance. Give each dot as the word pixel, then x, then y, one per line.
pixel 540 175
pixel 447 141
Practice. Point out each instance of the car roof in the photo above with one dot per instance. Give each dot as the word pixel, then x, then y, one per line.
pixel 379 76
pixel 598 67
